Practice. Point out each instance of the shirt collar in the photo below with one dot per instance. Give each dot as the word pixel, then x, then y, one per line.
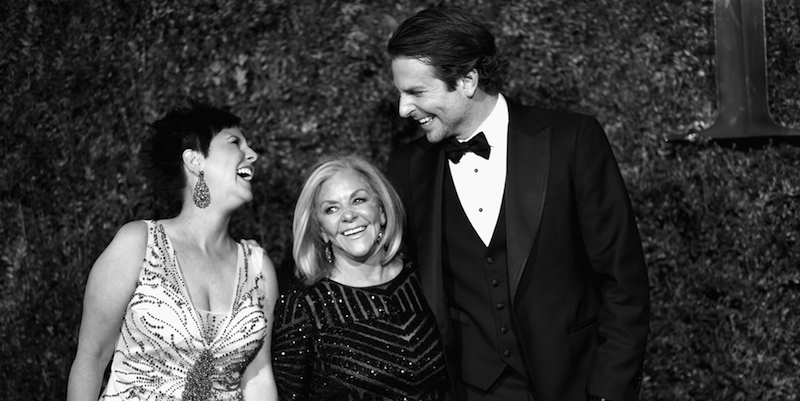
pixel 495 127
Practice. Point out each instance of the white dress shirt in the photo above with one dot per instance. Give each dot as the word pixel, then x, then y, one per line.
pixel 480 183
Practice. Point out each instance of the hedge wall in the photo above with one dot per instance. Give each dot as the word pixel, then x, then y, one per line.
pixel 81 78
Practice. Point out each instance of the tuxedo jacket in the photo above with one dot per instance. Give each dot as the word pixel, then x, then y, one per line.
pixel 576 270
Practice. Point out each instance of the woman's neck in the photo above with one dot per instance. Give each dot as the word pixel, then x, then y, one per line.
pixel 200 228
pixel 355 274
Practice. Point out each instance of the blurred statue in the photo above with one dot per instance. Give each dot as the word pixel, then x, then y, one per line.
pixel 743 114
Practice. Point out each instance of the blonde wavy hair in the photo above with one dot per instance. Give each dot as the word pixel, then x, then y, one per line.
pixel 308 248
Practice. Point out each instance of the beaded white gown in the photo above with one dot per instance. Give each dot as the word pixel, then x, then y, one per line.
pixel 169 350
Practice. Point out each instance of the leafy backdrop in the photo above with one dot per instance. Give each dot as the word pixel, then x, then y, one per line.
pixel 81 79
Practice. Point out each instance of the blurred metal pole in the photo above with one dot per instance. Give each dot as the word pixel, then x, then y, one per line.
pixel 742 106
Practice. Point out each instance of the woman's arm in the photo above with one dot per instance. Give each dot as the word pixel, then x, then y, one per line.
pixel 292 349
pixel 258 381
pixel 109 288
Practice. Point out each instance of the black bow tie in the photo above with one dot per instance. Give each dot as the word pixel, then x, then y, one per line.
pixel 454 149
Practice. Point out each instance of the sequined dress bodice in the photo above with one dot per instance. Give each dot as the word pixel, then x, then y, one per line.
pixel 168 350
pixel 335 342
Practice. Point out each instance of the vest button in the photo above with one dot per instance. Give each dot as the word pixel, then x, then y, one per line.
pixel 495 283
pixel 507 353
pixel 500 306
pixel 490 260
pixel 503 330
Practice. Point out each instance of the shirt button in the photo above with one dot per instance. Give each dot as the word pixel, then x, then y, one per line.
pixel 495 283
pixel 480 209
pixel 476 170
pixel 503 330
pixel 507 353
pixel 500 306
pixel 490 260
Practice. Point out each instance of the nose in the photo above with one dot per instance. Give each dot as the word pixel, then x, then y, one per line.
pixel 348 214
pixel 406 106
pixel 250 154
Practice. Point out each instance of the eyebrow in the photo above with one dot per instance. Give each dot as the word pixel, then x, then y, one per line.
pixel 326 203
pixel 359 191
pixel 416 88
pixel 353 194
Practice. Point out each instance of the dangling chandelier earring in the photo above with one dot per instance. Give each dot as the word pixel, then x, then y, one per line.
pixel 329 252
pixel 201 196
pixel 380 236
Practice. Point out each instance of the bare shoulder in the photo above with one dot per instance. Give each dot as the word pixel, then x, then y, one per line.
pixel 115 273
pixel 132 232
pixel 126 251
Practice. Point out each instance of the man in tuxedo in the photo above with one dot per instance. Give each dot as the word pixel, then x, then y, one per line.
pixel 527 246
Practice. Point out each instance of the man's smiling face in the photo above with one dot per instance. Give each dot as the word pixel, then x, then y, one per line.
pixel 425 98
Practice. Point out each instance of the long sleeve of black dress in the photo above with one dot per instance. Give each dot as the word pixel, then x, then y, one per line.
pixel 292 347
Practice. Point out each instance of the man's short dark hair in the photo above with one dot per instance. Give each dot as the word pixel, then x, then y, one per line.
pixel 453 41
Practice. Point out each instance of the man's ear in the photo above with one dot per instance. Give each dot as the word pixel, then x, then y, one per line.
pixel 192 160
pixel 469 82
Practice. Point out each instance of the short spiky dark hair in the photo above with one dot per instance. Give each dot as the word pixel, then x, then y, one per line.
pixel 453 41
pixel 191 127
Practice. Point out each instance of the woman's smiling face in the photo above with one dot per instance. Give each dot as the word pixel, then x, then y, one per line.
pixel 350 217
pixel 229 167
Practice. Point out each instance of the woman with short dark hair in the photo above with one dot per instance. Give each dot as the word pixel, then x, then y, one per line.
pixel 184 309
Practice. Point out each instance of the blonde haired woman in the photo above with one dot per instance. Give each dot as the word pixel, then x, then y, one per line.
pixel 357 327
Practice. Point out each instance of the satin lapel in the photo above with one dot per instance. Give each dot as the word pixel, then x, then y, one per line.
pixel 426 174
pixel 526 185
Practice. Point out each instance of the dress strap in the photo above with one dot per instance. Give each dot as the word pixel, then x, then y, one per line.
pixel 253 265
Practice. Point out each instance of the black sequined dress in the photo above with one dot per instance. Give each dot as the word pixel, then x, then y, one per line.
pixel 335 342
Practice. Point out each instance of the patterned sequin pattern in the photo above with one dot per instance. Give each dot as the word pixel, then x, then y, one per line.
pixel 169 350
pixel 334 342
